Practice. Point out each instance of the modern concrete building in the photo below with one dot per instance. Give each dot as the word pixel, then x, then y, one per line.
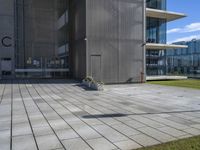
pixel 105 39
pixel 184 61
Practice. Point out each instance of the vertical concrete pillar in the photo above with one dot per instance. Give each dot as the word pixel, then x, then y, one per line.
pixel 6 35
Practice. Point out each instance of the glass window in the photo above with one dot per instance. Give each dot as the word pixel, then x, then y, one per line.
pixel 156 30
pixel 42 38
pixel 156 4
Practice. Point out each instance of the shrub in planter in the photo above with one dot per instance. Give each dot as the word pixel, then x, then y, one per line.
pixel 97 86
pixel 89 82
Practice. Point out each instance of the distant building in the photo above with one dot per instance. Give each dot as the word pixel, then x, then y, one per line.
pixel 184 61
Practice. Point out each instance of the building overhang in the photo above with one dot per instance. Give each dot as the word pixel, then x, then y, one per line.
pixel 156 46
pixel 161 14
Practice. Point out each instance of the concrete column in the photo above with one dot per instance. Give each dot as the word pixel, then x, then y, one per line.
pixel 7 31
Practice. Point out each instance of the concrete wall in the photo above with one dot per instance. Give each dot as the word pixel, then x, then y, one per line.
pixel 115 35
pixel 77 38
pixel 7 30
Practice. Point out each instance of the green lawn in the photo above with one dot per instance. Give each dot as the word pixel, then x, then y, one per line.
pixel 179 83
pixel 185 144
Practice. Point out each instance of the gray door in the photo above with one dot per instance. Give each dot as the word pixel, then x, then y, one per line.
pixel 6 67
pixel 96 67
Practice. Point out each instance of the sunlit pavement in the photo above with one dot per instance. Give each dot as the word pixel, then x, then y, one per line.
pixel 61 114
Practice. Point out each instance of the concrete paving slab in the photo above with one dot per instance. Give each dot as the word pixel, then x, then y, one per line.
pixel 87 132
pixel 156 134
pixel 58 124
pixel 173 132
pixel 111 134
pixel 128 145
pixel 66 134
pixel 144 140
pixel 47 142
pixel 44 130
pixel 5 139
pixel 192 131
pixel 21 129
pixel 101 144
pixel 128 131
pixel 23 142
pixel 76 144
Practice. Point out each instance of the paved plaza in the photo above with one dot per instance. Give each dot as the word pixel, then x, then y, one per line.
pixel 61 114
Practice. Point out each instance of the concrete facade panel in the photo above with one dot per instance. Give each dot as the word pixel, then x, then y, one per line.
pixel 78 38
pixel 115 31
pixel 6 7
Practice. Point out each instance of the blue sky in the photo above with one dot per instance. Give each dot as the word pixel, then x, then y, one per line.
pixel 187 28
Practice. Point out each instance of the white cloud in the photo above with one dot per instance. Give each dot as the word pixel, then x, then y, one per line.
pixel 188 38
pixel 175 30
pixel 193 27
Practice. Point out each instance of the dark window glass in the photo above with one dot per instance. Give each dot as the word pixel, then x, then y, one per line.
pixel 156 4
pixel 156 30
pixel 42 38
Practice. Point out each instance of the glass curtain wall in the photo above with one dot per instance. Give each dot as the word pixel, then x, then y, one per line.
pixel 156 33
pixel 41 38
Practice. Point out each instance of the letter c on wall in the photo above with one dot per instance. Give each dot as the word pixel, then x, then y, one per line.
pixel 6 41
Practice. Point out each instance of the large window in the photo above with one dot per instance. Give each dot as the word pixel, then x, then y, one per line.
pixel 42 38
pixel 156 30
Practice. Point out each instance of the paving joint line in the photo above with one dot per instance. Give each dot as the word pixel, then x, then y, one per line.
pixel 11 127
pixel 19 88
pixel 27 88
pixel 2 93
pixel 45 117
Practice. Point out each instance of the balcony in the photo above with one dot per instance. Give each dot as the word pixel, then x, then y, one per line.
pixel 157 46
pixel 162 14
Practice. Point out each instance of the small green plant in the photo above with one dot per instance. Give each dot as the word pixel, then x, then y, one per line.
pixel 90 82
pixel 89 79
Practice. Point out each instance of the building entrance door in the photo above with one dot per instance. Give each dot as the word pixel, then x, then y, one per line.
pixel 6 68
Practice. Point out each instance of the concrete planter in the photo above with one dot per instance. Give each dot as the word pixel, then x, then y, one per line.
pixel 85 83
pixel 96 86
pixel 93 85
